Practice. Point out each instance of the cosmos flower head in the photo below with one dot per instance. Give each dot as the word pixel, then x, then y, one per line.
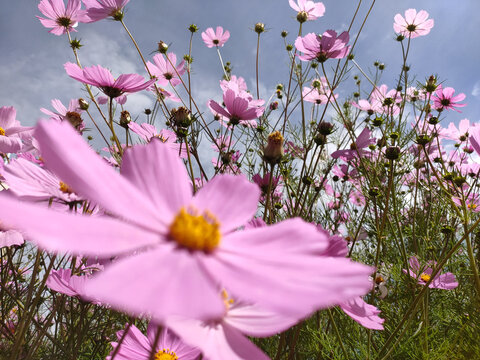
pixel 103 79
pixel 423 274
pixel 413 24
pixel 216 38
pixel 323 47
pixel 307 10
pixel 444 99
pixel 101 9
pixel 166 70
pixel 60 19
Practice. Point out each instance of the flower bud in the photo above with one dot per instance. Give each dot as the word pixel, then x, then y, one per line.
pixel 82 104
pixel 181 117
pixel 273 152
pixel 325 128
pixel 302 16
pixel 284 33
pixel 125 118
pixel 392 152
pixel 193 28
pixel 259 28
pixel 162 47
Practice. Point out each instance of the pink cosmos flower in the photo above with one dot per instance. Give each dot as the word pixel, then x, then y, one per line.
pixel 446 281
pixel 235 83
pixel 166 69
pixel 148 132
pixel 474 137
pixel 356 149
pixel 59 18
pixel 10 238
pixel 31 182
pixel 444 99
pixel 321 48
pixel 64 282
pixel 238 109
pixel 413 24
pixel 11 132
pixel 184 248
pixel 72 114
pixel 460 134
pixel 136 346
pixel 370 107
pixel 101 9
pixel 363 313
pixel 103 79
pixel 311 9
pixel 319 93
pixel 217 38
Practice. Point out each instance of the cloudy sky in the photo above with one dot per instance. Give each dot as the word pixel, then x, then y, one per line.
pixel 31 62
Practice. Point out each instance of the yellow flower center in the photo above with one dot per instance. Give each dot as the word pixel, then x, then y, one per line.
pixel 196 231
pixel 472 206
pixel 228 301
pixel 2 132
pixel 65 188
pixel 425 277
pixel 165 354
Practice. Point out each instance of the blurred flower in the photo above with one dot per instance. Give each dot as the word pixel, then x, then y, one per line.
pixel 11 132
pixel 217 38
pixel 72 114
pixel 363 313
pixel 413 24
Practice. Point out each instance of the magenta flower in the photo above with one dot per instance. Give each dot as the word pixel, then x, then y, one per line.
pixel 136 346
pixel 101 9
pixel 166 70
pixel 103 79
pixel 59 18
pixel 184 248
pixel 238 109
pixel 446 281
pixel 321 48
pixel 311 9
pixel 11 132
pixel 217 38
pixel 413 24
pixel 443 99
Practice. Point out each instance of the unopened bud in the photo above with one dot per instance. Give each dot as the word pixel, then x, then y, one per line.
pixel 259 28
pixel 273 152
pixel 392 152
pixel 181 117
pixel 162 47
pixel 302 16
pixel 325 128
pixel 82 104
pixel 125 118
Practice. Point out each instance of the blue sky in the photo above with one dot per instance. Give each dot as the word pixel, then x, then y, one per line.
pixel 31 65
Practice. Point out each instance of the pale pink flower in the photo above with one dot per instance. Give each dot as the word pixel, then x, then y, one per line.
pixel 103 79
pixel 10 238
pixel 215 38
pixel 72 114
pixel 363 313
pixel 59 18
pixel 149 132
pixel 443 99
pixel 460 134
pixel 413 24
pixel 11 132
pixel 237 109
pixel 235 83
pixel 166 69
pixel 446 281
pixel 311 9
pixel 357 148
pixel 184 248
pixel 323 47
pixel 64 282
pixel 136 346
pixel 101 9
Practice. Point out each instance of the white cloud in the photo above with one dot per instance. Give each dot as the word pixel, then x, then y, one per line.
pixel 476 89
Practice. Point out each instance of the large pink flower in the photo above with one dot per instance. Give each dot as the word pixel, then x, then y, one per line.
pixel 311 9
pixel 101 9
pixel 59 18
pixel 182 249
pixel 103 79
pixel 413 24
pixel 215 38
pixel 321 48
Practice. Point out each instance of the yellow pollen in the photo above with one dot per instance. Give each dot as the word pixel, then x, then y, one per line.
pixel 227 300
pixel 275 137
pixel 162 139
pixel 472 206
pixel 165 354
pixel 196 231
pixel 425 277
pixel 65 188
pixel 2 132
